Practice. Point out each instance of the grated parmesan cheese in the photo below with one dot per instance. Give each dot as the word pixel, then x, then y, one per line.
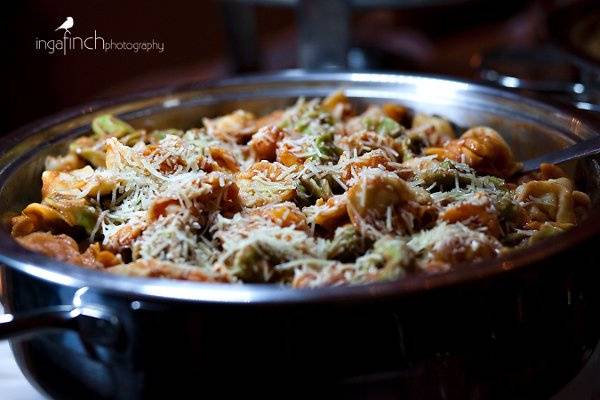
pixel 358 202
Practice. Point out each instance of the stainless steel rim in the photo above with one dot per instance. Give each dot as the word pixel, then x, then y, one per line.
pixel 44 268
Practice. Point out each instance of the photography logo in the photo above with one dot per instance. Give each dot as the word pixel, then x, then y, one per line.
pixel 92 42
pixel 68 24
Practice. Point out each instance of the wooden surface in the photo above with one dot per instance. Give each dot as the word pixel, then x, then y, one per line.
pixel 13 385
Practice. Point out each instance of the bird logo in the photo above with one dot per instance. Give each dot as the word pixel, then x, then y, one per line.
pixel 68 24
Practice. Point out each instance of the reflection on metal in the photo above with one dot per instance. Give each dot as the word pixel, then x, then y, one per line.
pixel 580 87
pixel 77 297
pixel 513 82
pixel 584 105
pixel 582 149
pixel 95 324
pixel 169 103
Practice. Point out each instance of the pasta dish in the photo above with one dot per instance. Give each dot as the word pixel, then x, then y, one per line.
pixel 318 194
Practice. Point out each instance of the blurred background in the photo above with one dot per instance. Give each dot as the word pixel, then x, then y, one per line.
pixel 549 49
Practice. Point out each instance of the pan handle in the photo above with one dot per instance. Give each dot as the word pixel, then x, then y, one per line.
pixel 94 324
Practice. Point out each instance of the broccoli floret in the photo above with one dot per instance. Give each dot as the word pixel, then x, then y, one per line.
pixel 546 230
pixel 316 189
pixel 389 127
pixel 74 210
pixel 390 256
pixel 444 175
pixel 253 263
pixel 109 125
pixel 347 244
pixel 159 134
pixel 506 207
pixel 383 125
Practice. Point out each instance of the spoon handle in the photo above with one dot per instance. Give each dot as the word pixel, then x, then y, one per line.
pixel 588 147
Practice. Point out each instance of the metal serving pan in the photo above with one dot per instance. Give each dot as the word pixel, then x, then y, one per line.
pixel 518 326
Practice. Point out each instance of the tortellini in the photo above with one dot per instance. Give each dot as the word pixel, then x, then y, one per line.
pixel 319 194
pixel 481 148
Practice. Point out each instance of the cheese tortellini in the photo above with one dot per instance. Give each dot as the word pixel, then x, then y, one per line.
pixel 321 193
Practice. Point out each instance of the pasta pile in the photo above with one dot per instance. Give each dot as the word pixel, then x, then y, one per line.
pixel 314 195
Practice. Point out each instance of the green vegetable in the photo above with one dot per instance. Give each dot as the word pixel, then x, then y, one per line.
pixel 446 165
pixel 347 244
pixel 318 189
pixel 303 197
pixel 255 261
pixel 513 239
pixel 131 138
pixel 382 125
pixel 316 124
pixel 391 256
pixel 160 134
pixel 310 189
pixel 108 125
pixel 446 174
pixel 388 127
pixel 411 146
pixel 248 263
pixel 309 118
pixel 489 180
pixel 507 208
pixel 95 157
pixel 444 177
pixel 328 151
pixel 89 149
pixel 85 217
pixel 312 120
pixel 396 257
pixel 546 230
pixel 369 123
pixel 74 210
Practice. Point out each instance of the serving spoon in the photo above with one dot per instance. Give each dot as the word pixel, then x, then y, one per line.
pixel 585 148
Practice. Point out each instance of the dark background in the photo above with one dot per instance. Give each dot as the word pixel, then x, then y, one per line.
pixel 442 39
